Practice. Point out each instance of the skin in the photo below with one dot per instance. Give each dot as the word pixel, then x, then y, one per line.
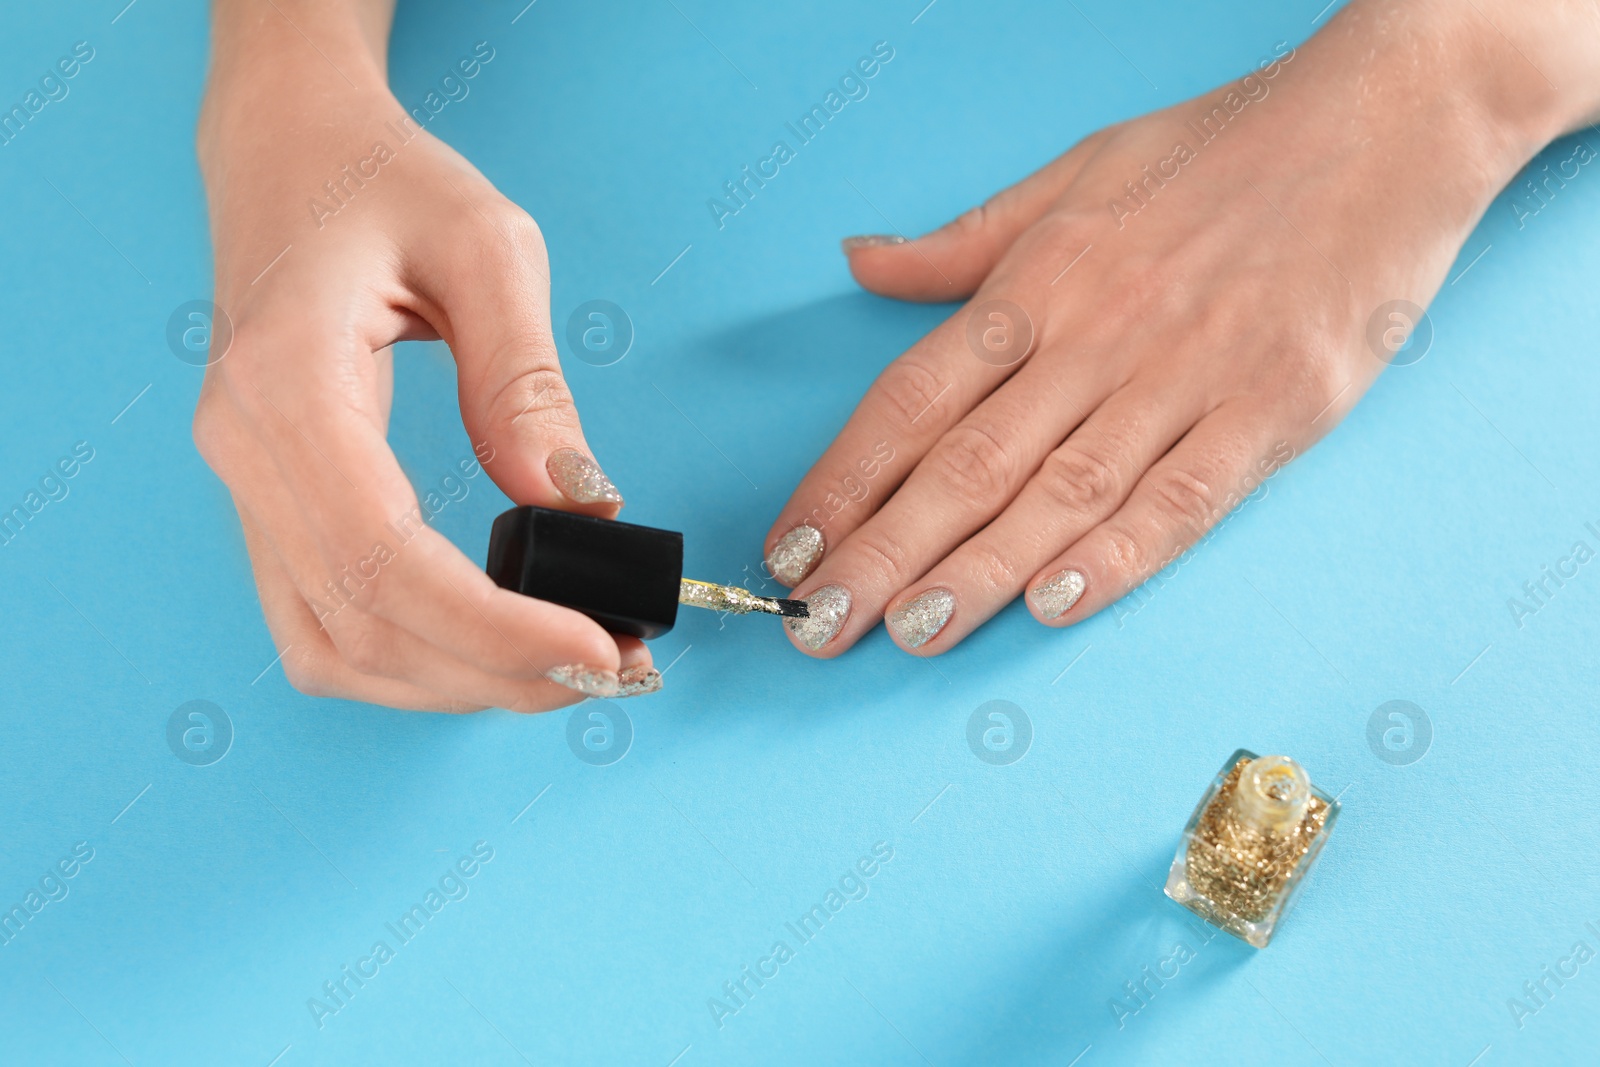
pixel 1203 339
pixel 293 418
pixel 1222 319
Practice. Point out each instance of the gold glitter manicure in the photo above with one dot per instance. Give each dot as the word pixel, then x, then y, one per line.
pixel 638 682
pixel 1058 592
pixel 795 555
pixel 870 240
pixel 919 620
pixel 1249 844
pixel 590 681
pixel 580 478
pixel 829 608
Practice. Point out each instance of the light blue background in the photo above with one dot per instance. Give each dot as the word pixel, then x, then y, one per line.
pixel 1020 898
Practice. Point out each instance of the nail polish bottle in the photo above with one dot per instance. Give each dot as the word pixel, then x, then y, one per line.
pixel 1248 846
pixel 627 578
pixel 624 577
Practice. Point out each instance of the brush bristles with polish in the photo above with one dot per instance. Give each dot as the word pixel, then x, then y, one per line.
pixel 738 601
pixel 792 609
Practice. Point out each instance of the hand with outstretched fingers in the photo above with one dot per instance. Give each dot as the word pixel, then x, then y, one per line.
pixel 1164 316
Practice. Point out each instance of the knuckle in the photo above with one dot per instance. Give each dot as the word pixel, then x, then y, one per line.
pixel 519 225
pixel 1139 285
pixel 1062 230
pixel 514 240
pixel 994 568
pixel 538 392
pixel 311 672
pixel 1181 498
pixel 1126 554
pixel 362 645
pixel 1079 481
pixel 973 220
pixel 881 554
pixel 908 389
pixel 212 432
pixel 1309 373
pixel 380 595
pixel 972 462
pixel 1219 323
pixel 492 255
pixel 1316 375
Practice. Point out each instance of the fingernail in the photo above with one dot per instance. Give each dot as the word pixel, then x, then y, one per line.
pixel 580 478
pixel 829 607
pixel 1057 593
pixel 870 240
pixel 795 554
pixel 638 682
pixel 919 620
pixel 590 681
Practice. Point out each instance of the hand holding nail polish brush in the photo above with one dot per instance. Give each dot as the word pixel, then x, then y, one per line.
pixel 628 578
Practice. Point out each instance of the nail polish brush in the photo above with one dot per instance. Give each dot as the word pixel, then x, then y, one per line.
pixel 628 578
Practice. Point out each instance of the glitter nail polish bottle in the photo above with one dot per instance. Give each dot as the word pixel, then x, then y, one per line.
pixel 627 578
pixel 1250 843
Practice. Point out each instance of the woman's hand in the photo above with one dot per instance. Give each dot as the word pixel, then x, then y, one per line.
pixel 1163 317
pixel 340 227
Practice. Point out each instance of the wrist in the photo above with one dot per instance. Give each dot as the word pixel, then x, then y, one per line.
pixel 285 64
pixel 1503 77
pixel 1531 72
pixel 357 29
pixel 1425 109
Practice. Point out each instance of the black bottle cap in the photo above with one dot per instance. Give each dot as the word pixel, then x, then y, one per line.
pixel 624 577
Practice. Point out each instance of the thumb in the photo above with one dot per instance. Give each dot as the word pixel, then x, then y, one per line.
pixel 494 292
pixel 952 261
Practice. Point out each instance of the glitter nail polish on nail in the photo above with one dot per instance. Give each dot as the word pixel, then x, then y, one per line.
pixel 590 681
pixel 870 240
pixel 830 607
pixel 1246 849
pixel 1057 593
pixel 638 682
pixel 919 620
pixel 580 478
pixel 795 555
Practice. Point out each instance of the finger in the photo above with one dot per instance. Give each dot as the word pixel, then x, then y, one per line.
pixel 1217 464
pixel 370 646
pixel 910 406
pixel 978 466
pixel 372 544
pixel 489 285
pixel 952 261
pixel 925 392
pixel 965 479
pixel 1079 483
pixel 377 648
pixel 636 676
pixel 310 662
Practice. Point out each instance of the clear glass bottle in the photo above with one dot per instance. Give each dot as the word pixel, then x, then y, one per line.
pixel 1249 844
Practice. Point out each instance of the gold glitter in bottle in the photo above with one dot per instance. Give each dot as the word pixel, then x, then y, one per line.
pixel 1249 844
